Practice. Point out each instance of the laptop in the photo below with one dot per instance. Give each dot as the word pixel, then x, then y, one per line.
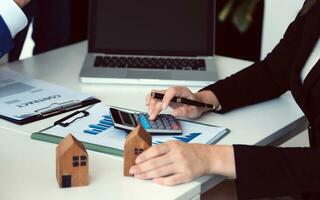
pixel 151 42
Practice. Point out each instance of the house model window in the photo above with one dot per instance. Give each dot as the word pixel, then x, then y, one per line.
pixel 79 161
pixel 137 151
pixel 137 142
pixel 83 160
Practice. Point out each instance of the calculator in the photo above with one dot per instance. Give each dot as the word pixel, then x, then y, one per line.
pixel 163 125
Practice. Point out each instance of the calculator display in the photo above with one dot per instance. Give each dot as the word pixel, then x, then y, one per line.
pixel 123 118
pixel 126 118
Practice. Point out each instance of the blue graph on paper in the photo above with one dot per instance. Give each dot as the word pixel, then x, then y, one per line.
pixel 104 124
pixel 186 138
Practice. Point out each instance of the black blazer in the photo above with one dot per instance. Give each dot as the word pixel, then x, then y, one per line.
pixel 270 171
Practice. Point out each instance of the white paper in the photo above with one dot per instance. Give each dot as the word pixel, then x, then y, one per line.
pixel 22 97
pixel 115 138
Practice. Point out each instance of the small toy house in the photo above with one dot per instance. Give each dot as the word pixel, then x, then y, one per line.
pixel 137 141
pixel 72 163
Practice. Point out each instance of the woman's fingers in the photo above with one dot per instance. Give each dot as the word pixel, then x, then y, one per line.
pixel 186 111
pixel 169 95
pixel 155 111
pixel 171 163
pixel 152 103
pixel 174 179
pixel 150 165
pixel 156 106
pixel 149 98
pixel 154 151
pixel 165 170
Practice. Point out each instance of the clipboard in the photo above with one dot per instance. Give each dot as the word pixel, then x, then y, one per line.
pixel 24 99
pixel 114 147
pixel 51 112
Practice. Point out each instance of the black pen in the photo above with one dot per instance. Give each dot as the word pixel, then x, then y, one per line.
pixel 159 96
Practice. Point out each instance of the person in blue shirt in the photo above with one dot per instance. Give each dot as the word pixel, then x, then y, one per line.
pixel 5 38
pixel 12 20
pixel 54 24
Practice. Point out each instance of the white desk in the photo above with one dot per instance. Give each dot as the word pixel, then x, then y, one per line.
pixel 28 169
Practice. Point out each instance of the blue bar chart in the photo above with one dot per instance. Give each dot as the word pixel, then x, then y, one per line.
pixel 185 138
pixel 104 124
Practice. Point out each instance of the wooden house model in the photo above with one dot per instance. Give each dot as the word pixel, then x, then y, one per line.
pixel 72 166
pixel 137 141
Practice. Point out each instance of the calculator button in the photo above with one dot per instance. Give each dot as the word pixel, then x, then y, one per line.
pixel 165 121
pixel 146 126
pixel 153 125
pixel 143 118
pixel 161 127
pixel 144 121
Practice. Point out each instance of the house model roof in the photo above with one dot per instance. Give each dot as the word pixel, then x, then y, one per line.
pixel 68 142
pixel 141 133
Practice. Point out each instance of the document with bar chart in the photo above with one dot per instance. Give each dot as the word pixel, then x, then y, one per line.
pixel 97 129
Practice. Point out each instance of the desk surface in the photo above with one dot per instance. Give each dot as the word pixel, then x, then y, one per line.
pixel 262 124
pixel 28 172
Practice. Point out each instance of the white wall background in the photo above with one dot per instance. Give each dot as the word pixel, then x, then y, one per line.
pixel 277 16
pixel 28 45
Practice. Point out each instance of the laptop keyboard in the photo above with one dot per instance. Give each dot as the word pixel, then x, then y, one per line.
pixel 150 63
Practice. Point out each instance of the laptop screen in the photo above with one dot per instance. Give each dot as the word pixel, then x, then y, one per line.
pixel 152 27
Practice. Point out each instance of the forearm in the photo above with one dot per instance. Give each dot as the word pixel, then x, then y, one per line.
pixel 221 160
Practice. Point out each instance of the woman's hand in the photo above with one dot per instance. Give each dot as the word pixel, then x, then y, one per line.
pixel 176 162
pixel 22 3
pixel 180 110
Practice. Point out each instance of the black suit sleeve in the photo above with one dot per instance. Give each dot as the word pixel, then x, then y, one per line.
pixel 271 171
pixel 263 80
